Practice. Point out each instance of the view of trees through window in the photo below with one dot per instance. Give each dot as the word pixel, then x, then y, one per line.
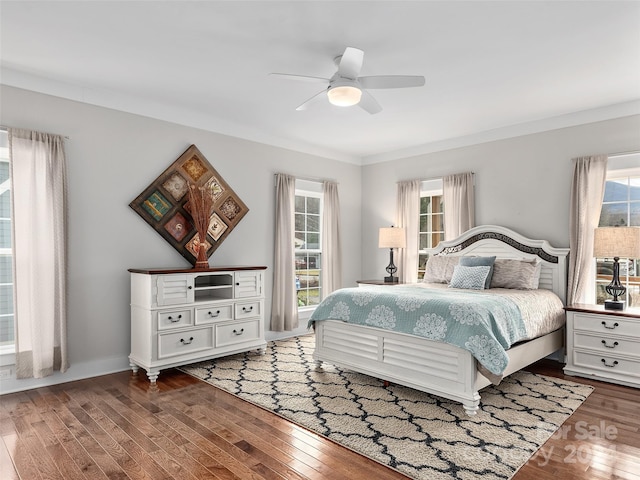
pixel 308 245
pixel 620 208
pixel 431 226
pixel 6 263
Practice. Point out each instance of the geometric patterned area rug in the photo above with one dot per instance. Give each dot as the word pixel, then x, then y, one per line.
pixel 421 435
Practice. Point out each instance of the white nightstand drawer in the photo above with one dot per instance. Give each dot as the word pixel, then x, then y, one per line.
pixel 607 324
pixel 237 332
pixel 249 309
pixel 187 341
pixel 216 313
pixel 607 345
pixel 174 319
pixel 607 363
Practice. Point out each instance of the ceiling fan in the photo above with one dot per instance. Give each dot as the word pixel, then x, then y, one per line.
pixel 345 88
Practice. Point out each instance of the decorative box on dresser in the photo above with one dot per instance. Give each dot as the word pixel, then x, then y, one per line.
pixel 604 344
pixel 181 316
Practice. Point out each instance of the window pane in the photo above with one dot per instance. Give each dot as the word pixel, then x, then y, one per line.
pixel 6 267
pixel 424 204
pixel 613 215
pixel 299 204
pixel 437 204
pixel 635 215
pixel 6 299
pixel 313 223
pixel 424 223
pixel 634 188
pixel 313 205
pixel 300 222
pixel 436 238
pixel 616 190
pixel 7 333
pixel 437 224
pixel 313 241
pixel 424 241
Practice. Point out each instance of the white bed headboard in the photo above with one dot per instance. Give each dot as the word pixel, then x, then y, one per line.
pixel 489 240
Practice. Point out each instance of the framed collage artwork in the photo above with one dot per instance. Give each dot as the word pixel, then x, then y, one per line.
pixel 165 204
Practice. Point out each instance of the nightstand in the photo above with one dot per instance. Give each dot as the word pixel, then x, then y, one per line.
pixel 603 344
pixel 378 282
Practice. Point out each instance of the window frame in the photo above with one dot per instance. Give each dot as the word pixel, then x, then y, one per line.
pixel 7 348
pixel 309 189
pixel 631 282
pixel 429 188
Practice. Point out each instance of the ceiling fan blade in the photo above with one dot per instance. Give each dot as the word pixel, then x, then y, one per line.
pixel 315 99
pixel 391 81
pixel 304 78
pixel 351 63
pixel 370 104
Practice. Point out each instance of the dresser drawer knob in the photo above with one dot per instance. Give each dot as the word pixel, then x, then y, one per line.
pixel 239 332
pixel 182 341
pixel 614 345
pixel 174 320
pixel 608 327
pixel 211 314
pixel 245 309
pixel 610 365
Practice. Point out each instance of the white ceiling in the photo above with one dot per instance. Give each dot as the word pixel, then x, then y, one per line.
pixel 492 68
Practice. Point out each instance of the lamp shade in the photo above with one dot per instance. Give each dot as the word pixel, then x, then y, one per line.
pixel 612 242
pixel 391 237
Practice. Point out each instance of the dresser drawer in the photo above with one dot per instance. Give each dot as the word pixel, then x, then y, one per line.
pixel 216 313
pixel 237 332
pixel 187 341
pixel 607 363
pixel 174 319
pixel 248 309
pixel 607 345
pixel 607 324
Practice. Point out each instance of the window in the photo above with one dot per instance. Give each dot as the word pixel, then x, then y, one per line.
pixel 620 207
pixel 431 220
pixel 7 333
pixel 308 242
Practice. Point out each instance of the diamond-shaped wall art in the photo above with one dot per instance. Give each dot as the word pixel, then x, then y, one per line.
pixel 165 204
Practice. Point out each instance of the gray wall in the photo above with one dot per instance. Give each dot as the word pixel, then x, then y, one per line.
pixel 522 183
pixel 111 157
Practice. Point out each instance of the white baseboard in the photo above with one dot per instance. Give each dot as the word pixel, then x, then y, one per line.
pixel 77 371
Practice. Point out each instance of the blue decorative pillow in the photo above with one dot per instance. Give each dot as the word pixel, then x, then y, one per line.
pixel 473 278
pixel 480 262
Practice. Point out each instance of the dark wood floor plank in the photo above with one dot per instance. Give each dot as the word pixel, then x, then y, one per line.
pixel 118 427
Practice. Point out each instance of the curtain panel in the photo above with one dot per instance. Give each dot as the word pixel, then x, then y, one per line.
pixel 39 200
pixel 408 217
pixel 331 240
pixel 459 204
pixel 587 193
pixel 284 302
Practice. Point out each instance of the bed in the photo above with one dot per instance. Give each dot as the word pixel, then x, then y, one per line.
pixel 440 366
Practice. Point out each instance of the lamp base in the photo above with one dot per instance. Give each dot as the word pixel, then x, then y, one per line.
pixel 391 279
pixel 614 305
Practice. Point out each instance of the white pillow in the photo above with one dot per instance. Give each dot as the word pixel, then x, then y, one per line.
pixel 439 268
pixel 516 274
pixel 470 277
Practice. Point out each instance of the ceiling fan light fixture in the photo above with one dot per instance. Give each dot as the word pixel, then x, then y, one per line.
pixel 344 95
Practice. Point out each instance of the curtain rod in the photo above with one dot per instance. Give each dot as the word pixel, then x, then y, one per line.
pixel 434 178
pixel 309 179
pixel 2 127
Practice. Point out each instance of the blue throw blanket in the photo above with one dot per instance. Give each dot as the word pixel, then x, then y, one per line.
pixel 485 325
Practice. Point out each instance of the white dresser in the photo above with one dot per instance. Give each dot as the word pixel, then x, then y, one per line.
pixel 603 344
pixel 181 316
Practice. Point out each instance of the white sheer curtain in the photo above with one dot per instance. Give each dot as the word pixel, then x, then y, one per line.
pixel 38 183
pixel 284 303
pixel 587 192
pixel 408 217
pixel 331 242
pixel 459 204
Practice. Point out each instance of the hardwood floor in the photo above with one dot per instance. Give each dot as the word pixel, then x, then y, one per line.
pixel 117 427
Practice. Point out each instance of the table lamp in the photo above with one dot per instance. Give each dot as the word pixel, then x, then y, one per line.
pixel 391 238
